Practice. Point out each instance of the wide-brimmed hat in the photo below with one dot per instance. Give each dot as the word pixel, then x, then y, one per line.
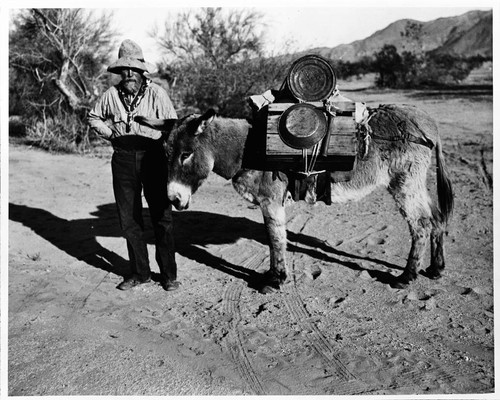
pixel 130 56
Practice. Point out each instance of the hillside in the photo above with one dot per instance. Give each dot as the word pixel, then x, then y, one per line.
pixel 467 35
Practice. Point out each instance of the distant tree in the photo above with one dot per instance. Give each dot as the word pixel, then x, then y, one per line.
pixel 410 70
pixel 388 64
pixel 56 59
pixel 346 69
pixel 215 59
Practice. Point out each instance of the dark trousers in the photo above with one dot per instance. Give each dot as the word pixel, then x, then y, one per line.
pixel 138 168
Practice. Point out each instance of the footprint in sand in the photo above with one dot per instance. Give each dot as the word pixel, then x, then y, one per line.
pixel 425 300
pixel 372 236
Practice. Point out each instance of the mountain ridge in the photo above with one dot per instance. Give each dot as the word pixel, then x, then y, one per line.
pixel 467 35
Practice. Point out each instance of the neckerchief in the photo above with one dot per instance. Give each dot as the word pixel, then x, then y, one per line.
pixel 130 106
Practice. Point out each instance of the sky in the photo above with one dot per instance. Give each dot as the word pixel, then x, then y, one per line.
pixel 298 24
pixel 300 28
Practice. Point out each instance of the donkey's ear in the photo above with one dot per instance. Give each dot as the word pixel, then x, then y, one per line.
pixel 205 120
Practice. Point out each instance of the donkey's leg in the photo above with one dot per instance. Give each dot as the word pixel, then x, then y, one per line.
pixel 437 250
pixel 413 200
pixel 275 222
pixel 419 230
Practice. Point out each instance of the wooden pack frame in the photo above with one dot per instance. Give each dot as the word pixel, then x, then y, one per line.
pixel 338 149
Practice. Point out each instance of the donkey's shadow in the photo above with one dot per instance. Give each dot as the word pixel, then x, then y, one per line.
pixel 192 230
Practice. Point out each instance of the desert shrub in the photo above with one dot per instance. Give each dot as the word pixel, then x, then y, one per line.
pixel 215 60
pixel 56 59
pixel 60 133
pixel 226 88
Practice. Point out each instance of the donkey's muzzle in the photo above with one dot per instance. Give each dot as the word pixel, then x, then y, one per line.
pixel 179 195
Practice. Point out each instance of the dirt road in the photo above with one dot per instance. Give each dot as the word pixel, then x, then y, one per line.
pixel 344 331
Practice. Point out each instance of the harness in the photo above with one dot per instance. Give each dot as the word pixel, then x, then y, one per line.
pixel 366 134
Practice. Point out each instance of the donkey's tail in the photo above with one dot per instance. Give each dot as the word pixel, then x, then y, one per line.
pixel 444 187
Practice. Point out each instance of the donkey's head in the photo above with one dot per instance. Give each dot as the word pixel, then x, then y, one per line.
pixel 190 157
pixel 189 153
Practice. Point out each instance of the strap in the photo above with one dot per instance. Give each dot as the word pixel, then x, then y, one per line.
pixel 409 137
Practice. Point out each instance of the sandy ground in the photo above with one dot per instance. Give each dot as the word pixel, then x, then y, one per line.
pixel 344 331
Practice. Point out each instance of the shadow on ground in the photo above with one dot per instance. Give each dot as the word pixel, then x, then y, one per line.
pixel 193 231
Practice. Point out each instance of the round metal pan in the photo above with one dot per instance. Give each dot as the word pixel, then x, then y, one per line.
pixel 302 125
pixel 311 78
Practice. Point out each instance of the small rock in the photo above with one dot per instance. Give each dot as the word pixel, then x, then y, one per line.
pixel 365 275
pixel 335 301
pixel 480 290
pixel 312 271
pixel 430 304
pixel 412 296
pixel 466 291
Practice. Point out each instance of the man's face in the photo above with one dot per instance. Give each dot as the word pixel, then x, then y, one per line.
pixel 131 80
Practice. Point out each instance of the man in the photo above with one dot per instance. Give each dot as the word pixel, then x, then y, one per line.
pixel 138 162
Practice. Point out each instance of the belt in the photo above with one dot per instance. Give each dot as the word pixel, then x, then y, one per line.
pixel 135 143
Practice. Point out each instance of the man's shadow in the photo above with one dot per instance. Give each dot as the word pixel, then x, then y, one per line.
pixel 78 237
pixel 192 231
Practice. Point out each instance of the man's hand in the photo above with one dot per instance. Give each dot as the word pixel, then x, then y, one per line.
pixel 164 125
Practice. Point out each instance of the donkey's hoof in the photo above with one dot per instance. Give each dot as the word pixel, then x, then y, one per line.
pixel 399 285
pixel 402 281
pixel 266 283
pixel 268 286
pixel 274 279
pixel 266 289
pixel 433 273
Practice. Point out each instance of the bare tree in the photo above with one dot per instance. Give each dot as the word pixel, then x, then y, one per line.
pixel 56 65
pixel 215 59
pixel 63 47
pixel 212 36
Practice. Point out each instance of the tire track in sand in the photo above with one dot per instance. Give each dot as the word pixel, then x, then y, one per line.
pixel 231 309
pixel 317 340
pixel 348 383
pixel 419 377
pixel 296 308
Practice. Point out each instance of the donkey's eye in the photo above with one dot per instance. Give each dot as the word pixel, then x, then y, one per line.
pixel 185 156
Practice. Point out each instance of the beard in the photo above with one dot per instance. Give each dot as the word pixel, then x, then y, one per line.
pixel 131 85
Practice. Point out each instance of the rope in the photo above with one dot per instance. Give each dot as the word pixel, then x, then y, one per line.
pixel 368 135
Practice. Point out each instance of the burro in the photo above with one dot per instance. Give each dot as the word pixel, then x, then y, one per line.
pixel 396 153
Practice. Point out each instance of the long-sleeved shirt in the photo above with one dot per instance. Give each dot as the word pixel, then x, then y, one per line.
pixel 109 117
